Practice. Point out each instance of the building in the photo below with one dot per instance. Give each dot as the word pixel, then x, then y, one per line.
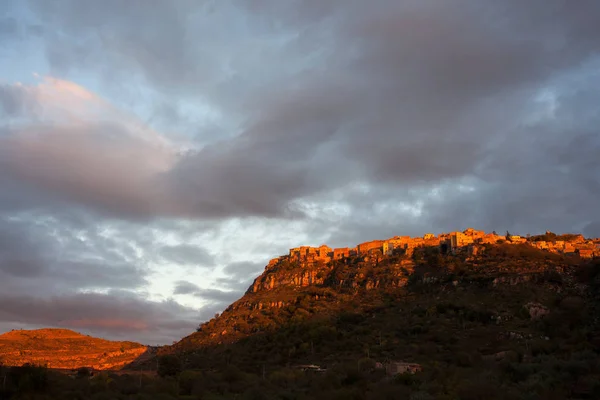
pixel 475 234
pixel 324 252
pixel 569 248
pixel 517 239
pixel 585 253
pixel 387 248
pixel 398 368
pixel 340 253
pixel 459 239
pixel 364 248
pixel 310 368
pixel 490 238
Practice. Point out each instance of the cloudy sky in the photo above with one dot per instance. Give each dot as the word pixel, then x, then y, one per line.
pixel 155 154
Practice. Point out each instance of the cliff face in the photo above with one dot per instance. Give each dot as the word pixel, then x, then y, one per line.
pixel 320 282
pixel 62 348
pixel 372 271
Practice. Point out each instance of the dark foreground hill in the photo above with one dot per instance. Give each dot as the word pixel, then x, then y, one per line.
pixel 62 348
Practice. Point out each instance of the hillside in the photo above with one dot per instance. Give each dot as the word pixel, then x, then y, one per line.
pixel 465 315
pixel 62 348
pixel 322 281
pixel 480 315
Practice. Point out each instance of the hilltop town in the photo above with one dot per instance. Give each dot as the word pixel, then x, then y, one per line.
pixel 469 241
pixel 469 301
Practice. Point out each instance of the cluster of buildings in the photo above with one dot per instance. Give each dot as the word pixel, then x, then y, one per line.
pixel 470 240
pixel 575 245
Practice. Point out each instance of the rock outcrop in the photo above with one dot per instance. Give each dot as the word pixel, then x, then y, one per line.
pixel 536 310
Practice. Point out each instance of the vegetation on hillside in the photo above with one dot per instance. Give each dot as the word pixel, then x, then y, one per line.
pixel 513 322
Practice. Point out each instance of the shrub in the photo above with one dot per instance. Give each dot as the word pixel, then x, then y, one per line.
pixel 169 365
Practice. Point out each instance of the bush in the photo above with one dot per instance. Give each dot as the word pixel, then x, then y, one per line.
pixel 29 377
pixel 83 372
pixel 169 365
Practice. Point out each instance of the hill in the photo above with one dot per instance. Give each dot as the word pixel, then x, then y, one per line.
pixel 477 315
pixel 465 315
pixel 63 348
pixel 322 282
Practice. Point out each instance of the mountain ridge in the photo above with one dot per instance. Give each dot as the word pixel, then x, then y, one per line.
pixel 326 277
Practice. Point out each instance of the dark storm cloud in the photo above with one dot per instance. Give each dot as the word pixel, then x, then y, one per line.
pixel 398 94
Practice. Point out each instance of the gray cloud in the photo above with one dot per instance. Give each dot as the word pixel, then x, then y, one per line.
pixel 51 271
pixel 14 101
pixel 184 287
pixel 115 315
pixel 339 120
pixel 16 255
pixel 399 94
pixel 592 229
pixel 239 277
pixel 187 254
pixel 8 28
pixel 212 296
pixel 221 297
pixel 215 300
pixel 237 286
pixel 38 258
pixel 242 269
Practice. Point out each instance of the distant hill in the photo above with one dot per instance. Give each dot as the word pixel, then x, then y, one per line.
pixel 63 348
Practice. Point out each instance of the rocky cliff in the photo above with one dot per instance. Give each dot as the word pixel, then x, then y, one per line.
pixel 316 283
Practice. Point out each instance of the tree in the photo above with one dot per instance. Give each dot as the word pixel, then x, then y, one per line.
pixel 83 372
pixel 29 377
pixel 169 365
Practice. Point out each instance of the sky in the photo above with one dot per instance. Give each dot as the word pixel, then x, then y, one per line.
pixel 155 154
